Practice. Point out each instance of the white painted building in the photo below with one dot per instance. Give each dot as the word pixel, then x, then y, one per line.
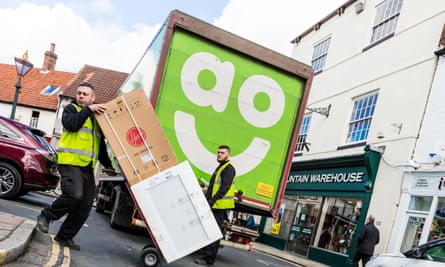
pixel 377 74
pixel 25 115
pixel 421 212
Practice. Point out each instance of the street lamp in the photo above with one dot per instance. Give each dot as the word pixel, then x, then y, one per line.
pixel 23 67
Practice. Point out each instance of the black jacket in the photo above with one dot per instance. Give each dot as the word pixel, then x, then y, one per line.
pixel 72 121
pixel 369 237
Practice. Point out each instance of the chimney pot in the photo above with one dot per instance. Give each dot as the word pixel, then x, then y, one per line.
pixel 50 59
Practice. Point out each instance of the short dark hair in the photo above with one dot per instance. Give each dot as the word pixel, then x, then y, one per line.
pixel 87 84
pixel 224 147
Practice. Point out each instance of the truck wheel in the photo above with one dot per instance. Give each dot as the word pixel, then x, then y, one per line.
pixel 122 211
pixel 100 206
pixel 150 257
pixel 115 211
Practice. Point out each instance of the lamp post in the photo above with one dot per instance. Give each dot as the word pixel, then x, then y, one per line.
pixel 23 66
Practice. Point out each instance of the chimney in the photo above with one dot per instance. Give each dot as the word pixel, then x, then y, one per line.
pixel 49 61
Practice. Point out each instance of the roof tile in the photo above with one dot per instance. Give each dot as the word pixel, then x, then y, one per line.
pixel 106 82
pixel 32 85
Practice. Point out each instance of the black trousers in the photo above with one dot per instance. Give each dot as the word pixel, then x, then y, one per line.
pixel 359 256
pixel 211 250
pixel 76 200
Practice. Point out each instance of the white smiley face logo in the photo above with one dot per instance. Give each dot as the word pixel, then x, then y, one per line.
pixel 218 98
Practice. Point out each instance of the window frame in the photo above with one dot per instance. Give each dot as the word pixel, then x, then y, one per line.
pixel 386 19
pixel 320 54
pixel 359 123
pixel 34 120
pixel 302 134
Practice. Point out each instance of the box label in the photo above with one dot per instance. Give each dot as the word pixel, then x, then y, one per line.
pixel 136 136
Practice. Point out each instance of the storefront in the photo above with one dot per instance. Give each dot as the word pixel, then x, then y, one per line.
pixel 325 205
pixel 421 214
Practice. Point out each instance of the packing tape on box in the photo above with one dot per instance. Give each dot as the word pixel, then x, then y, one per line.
pixel 140 134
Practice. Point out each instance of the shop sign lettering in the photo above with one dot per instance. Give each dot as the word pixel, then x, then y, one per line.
pixel 341 177
pixel 428 183
pixel 422 182
pixel 307 231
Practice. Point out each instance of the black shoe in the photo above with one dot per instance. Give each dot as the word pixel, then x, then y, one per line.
pixel 67 243
pixel 42 223
pixel 201 261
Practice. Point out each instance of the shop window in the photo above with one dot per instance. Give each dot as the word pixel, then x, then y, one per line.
pixel 280 225
pixel 420 203
pixel 413 232
pixel 302 230
pixel 418 211
pixel 437 229
pixel 338 223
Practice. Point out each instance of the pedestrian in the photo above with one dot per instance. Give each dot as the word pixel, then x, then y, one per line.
pixel 325 237
pixel 250 222
pixel 220 195
pixel 81 145
pixel 368 238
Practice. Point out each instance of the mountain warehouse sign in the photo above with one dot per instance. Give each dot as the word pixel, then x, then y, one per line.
pixel 329 179
pixel 343 177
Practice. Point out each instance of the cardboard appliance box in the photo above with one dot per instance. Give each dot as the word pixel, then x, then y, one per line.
pixel 135 136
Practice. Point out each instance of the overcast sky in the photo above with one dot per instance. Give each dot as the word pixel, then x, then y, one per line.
pixel 113 34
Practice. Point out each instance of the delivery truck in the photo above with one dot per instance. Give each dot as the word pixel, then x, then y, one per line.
pixel 210 87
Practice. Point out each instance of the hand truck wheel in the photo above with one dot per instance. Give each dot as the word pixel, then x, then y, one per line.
pixel 150 257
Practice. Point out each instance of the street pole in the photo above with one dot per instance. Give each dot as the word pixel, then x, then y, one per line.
pixel 18 86
pixel 23 67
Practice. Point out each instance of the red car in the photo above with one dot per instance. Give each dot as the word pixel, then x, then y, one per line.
pixel 27 160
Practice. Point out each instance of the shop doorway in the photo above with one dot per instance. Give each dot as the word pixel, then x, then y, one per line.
pixel 304 224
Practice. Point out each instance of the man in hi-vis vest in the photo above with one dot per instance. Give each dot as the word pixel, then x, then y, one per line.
pixel 220 195
pixel 81 145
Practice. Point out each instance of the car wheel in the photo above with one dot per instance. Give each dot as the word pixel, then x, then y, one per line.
pixel 10 181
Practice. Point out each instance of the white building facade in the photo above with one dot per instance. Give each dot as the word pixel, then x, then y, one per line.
pixel 378 83
pixel 25 115
pixel 421 213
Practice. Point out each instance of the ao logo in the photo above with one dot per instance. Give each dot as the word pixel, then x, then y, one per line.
pixel 218 98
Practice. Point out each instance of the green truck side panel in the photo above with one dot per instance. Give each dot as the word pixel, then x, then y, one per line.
pixel 256 96
pixel 228 126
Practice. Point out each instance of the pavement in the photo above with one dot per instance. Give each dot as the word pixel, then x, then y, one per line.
pixel 16 232
pixel 286 255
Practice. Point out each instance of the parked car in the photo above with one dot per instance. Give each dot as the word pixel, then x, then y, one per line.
pixel 27 160
pixel 429 254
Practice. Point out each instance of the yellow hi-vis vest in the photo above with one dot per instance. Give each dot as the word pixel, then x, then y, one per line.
pixel 228 201
pixel 81 147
